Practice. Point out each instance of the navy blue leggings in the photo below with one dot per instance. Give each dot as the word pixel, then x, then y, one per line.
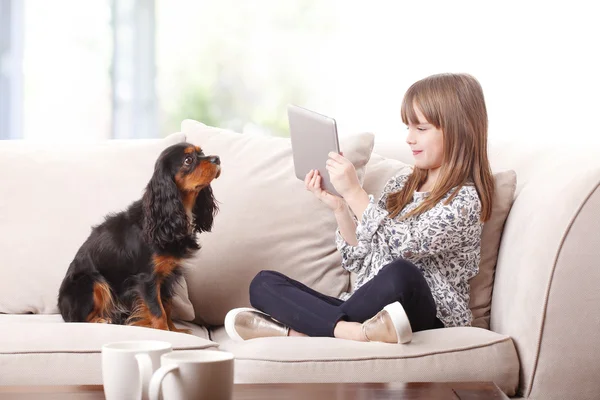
pixel 315 314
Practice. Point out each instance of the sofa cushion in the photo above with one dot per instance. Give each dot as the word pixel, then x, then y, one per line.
pixel 483 283
pixel 50 196
pixel 47 351
pixel 380 169
pixel 439 355
pixel 267 220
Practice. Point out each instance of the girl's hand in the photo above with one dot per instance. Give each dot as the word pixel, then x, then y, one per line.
pixel 312 182
pixel 343 175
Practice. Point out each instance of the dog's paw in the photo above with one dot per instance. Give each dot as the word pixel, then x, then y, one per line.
pixel 188 331
pixel 99 320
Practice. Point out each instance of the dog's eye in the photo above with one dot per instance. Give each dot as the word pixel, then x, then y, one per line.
pixel 188 160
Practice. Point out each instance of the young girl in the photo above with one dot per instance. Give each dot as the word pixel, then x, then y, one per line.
pixel 414 250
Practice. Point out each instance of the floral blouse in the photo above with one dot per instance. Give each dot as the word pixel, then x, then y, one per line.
pixel 444 243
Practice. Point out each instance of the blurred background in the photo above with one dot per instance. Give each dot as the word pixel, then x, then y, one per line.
pixel 101 69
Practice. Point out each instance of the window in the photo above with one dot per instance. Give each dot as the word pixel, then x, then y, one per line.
pixel 11 76
pixel 67 46
pixel 237 64
pixel 135 68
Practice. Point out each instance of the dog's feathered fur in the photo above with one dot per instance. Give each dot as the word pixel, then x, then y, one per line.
pixel 127 269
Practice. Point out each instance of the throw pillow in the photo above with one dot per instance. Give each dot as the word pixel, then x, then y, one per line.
pixel 267 220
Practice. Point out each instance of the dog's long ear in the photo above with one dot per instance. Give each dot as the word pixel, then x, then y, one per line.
pixel 205 210
pixel 165 220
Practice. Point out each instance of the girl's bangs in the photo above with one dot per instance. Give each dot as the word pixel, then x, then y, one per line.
pixel 407 110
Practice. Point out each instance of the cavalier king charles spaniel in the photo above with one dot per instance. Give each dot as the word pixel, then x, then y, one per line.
pixel 126 271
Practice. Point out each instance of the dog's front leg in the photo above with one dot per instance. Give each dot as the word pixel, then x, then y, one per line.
pixel 163 266
pixel 152 309
pixel 157 309
pixel 148 310
pixel 168 307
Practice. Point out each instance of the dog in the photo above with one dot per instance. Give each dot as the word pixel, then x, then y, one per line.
pixel 126 271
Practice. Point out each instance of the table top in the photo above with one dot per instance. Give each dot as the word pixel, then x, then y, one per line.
pixel 294 391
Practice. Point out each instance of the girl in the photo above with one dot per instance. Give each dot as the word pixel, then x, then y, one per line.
pixel 414 250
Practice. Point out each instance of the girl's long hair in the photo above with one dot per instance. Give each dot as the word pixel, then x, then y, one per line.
pixel 454 104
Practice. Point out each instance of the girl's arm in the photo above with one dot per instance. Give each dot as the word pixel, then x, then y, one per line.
pixel 358 201
pixel 355 251
pixel 346 225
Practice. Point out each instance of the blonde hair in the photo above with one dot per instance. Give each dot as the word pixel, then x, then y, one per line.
pixel 454 104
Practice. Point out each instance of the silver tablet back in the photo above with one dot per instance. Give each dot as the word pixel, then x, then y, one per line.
pixel 313 136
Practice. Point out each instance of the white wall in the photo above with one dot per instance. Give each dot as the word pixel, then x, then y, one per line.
pixel 538 63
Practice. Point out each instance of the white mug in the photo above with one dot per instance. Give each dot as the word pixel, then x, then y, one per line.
pixel 193 374
pixel 128 366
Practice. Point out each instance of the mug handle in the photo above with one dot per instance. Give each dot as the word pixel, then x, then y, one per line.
pixel 145 369
pixel 157 378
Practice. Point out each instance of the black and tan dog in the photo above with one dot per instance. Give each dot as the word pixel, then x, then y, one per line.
pixel 127 269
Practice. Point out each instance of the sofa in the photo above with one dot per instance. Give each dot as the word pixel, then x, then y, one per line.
pixel 534 302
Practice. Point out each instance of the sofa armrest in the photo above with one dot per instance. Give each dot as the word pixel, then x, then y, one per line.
pixel 546 294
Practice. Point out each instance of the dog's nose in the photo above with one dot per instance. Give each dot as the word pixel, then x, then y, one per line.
pixel 215 160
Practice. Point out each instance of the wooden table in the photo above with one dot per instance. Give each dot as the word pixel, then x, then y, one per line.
pixel 294 391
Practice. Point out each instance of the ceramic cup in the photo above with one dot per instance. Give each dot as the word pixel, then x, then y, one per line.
pixel 128 366
pixel 193 374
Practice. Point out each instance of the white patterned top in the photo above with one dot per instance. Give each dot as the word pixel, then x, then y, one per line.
pixel 444 243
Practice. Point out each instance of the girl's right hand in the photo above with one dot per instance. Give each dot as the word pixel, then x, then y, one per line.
pixel 312 182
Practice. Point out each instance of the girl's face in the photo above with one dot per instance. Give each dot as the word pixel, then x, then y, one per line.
pixel 426 143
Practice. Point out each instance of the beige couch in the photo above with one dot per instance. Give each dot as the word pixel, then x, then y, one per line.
pixel 542 339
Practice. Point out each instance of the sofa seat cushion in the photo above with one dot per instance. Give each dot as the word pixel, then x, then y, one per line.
pixel 45 350
pixel 441 355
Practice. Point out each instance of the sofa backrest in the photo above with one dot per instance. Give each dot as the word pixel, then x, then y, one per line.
pixel 51 194
pixel 545 292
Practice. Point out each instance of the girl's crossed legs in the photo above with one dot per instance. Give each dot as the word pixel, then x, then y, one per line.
pixel 315 314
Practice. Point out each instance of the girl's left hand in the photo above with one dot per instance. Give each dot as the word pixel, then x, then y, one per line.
pixel 342 174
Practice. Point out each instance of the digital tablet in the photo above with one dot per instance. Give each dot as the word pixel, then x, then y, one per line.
pixel 313 136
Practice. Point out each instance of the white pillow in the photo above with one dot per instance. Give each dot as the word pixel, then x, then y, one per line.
pixel 267 220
